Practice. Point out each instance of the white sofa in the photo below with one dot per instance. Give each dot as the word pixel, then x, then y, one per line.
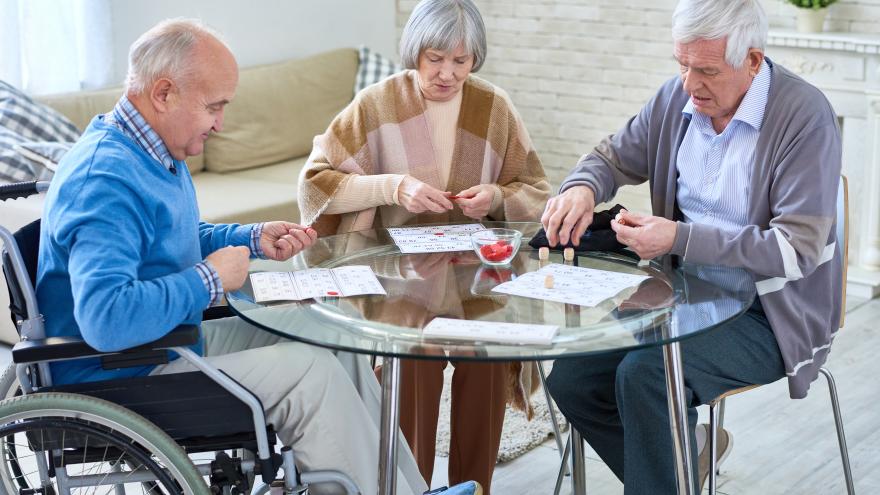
pixel 248 172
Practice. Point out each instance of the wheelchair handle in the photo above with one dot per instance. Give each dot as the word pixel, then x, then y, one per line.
pixel 22 189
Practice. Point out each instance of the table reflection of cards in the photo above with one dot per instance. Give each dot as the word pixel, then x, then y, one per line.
pixel 315 282
pixel 437 239
pixel 491 331
pixel 570 284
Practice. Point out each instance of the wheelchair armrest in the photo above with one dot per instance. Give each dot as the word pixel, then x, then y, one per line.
pixel 60 348
pixel 215 312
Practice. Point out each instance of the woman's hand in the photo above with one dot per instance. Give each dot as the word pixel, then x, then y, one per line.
pixel 476 201
pixel 418 197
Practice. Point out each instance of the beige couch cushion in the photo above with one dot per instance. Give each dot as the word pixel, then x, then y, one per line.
pixel 82 106
pixel 259 195
pixel 279 108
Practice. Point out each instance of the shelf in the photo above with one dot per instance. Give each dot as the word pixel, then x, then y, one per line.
pixel 846 42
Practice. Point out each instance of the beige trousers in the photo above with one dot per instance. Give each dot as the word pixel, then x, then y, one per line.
pixel 311 400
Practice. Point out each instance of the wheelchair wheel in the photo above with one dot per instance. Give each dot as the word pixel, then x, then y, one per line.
pixel 59 443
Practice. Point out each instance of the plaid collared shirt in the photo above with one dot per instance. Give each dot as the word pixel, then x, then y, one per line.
pixel 127 118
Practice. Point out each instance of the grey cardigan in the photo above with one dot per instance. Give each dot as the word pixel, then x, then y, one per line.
pixel 789 245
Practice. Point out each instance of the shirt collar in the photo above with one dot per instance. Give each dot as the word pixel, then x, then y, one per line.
pixel 751 108
pixel 134 125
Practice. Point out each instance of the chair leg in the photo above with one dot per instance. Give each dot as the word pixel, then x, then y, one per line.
pixel 714 419
pixel 563 467
pixel 841 437
pixel 578 460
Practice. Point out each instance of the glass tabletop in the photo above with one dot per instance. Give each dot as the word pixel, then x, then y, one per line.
pixel 673 303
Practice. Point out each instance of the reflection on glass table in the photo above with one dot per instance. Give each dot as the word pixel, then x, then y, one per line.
pixel 673 303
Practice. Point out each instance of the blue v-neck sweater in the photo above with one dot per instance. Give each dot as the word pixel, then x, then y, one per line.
pixel 119 240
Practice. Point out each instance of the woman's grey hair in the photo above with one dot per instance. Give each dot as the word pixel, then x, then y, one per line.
pixel 164 51
pixel 443 25
pixel 742 22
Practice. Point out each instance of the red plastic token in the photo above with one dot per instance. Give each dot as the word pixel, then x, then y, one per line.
pixel 332 293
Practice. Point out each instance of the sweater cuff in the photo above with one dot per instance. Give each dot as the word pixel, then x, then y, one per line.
pixel 682 238
pixel 496 209
pixel 575 183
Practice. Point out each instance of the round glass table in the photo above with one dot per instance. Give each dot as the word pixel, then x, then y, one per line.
pixel 672 303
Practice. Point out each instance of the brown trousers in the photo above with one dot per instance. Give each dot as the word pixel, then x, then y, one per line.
pixel 479 396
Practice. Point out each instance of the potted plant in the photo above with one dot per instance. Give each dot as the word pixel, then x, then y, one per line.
pixel 811 14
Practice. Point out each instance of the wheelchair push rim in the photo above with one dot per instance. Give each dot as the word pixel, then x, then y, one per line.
pixel 68 424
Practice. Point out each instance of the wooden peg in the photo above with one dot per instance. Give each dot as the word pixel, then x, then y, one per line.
pixel 548 282
pixel 544 253
pixel 568 254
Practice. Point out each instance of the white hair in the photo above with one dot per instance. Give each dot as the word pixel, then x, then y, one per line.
pixel 164 51
pixel 443 25
pixel 742 22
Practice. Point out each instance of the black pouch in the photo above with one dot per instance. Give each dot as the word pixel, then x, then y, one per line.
pixel 598 237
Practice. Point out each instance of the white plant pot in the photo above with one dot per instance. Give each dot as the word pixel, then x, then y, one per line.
pixel 811 20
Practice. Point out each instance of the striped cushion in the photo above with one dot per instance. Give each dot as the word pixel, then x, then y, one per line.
pixel 23 120
pixel 372 68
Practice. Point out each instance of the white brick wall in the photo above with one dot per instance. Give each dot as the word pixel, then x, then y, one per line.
pixel 578 69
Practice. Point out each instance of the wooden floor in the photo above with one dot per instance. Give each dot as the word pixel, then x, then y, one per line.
pixel 781 446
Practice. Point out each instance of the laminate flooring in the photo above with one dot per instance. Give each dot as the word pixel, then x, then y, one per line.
pixel 781 446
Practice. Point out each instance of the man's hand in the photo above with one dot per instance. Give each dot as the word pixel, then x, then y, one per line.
pixel 281 240
pixel 568 215
pixel 231 265
pixel 647 235
pixel 418 197
pixel 476 201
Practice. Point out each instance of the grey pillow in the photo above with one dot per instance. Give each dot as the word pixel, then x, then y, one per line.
pixel 43 156
pixel 372 68
pixel 23 120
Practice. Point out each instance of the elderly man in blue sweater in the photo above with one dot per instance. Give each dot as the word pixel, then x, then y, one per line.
pixel 743 159
pixel 124 258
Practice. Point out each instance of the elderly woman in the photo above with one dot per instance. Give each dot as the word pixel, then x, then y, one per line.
pixel 433 144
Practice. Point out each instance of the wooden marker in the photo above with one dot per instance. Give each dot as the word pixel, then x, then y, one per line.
pixel 544 253
pixel 568 254
pixel 548 282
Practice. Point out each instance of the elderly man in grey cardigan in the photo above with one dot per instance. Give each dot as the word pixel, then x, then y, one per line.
pixel 743 160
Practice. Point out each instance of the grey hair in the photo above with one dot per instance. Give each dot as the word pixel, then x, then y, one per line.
pixel 443 25
pixel 164 51
pixel 742 22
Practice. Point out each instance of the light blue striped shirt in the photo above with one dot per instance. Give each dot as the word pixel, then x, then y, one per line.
pixel 714 173
pixel 714 169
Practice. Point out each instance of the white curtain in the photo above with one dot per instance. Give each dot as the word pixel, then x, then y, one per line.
pixel 54 46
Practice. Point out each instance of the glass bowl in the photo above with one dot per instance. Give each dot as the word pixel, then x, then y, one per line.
pixel 496 247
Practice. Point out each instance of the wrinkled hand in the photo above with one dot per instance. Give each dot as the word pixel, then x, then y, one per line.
pixel 476 201
pixel 418 197
pixel 653 293
pixel 647 235
pixel 231 264
pixel 281 240
pixel 568 215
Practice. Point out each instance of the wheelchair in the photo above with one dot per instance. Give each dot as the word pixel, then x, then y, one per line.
pixel 189 433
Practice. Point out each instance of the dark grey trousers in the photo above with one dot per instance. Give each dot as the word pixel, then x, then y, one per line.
pixel 618 402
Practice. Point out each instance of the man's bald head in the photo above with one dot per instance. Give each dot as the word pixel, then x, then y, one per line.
pixel 172 49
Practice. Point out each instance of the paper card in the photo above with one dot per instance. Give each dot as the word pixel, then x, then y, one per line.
pixel 491 331
pixel 438 239
pixel 315 282
pixel 571 284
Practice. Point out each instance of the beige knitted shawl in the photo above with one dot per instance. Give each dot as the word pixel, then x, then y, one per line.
pixel 385 131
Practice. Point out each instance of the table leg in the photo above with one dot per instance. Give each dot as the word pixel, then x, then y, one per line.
pixel 390 426
pixel 578 467
pixel 678 417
